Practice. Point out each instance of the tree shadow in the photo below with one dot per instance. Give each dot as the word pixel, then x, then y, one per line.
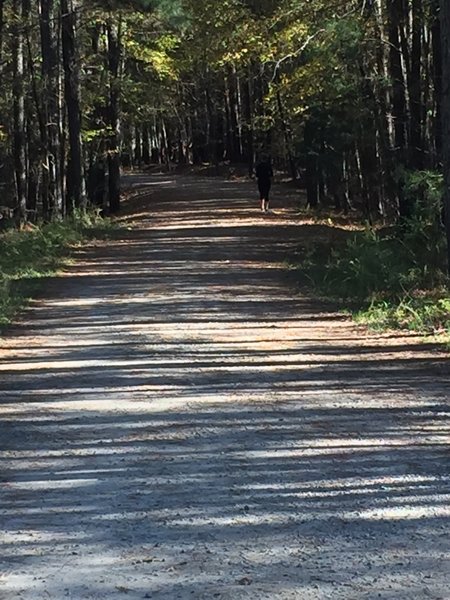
pixel 175 425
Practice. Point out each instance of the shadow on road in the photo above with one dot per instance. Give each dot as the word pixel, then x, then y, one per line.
pixel 177 425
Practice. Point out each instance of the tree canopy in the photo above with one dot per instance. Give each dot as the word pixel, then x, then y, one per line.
pixel 345 95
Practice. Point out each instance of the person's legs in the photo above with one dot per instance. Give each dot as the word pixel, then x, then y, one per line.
pixel 264 189
pixel 267 191
pixel 262 196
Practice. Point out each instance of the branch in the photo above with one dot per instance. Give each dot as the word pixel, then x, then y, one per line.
pixel 303 47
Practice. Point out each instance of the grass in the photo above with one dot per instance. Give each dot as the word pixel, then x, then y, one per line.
pixel 427 314
pixel 391 279
pixel 28 256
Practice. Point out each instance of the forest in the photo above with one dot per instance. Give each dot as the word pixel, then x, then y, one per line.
pixel 350 98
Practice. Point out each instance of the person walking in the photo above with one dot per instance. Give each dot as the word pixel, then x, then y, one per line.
pixel 264 174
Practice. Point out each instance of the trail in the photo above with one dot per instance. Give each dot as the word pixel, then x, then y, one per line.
pixel 178 422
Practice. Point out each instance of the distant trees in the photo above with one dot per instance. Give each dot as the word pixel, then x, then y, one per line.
pixel 346 95
pixel 59 113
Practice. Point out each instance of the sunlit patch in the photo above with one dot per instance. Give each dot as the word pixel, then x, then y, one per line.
pixel 170 413
pixel 352 484
pixel 38 536
pixel 51 484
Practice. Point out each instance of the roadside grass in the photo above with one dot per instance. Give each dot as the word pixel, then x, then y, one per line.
pixel 428 314
pixel 391 278
pixel 39 251
pixel 387 279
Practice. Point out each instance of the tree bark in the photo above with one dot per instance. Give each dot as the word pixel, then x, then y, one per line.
pixel 114 59
pixel 399 114
pixel 76 189
pixel 137 154
pixel 145 144
pixel 399 106
pixel 445 37
pixel 19 134
pixel 311 166
pixel 287 136
pixel 211 128
pixel 2 25
pixel 52 194
pixel 437 77
pixel 249 150
pixel 415 88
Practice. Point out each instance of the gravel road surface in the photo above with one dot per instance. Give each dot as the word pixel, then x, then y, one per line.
pixel 179 422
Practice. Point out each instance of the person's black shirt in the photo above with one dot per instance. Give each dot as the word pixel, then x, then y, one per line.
pixel 264 171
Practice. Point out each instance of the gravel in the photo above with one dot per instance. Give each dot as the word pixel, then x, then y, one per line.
pixel 179 422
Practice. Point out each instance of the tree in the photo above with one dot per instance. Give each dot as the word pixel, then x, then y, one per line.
pixel 114 59
pixel 76 187
pixel 344 95
pixel 52 192
pixel 18 51
pixel 445 36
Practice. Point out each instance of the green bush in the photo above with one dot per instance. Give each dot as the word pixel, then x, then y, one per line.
pixel 401 260
pixel 38 252
pixel 427 314
pixel 424 190
pixel 373 264
pixel 393 273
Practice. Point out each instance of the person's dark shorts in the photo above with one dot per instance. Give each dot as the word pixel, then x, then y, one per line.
pixel 264 188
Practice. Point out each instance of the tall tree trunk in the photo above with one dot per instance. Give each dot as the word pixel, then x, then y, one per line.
pixel 399 108
pixel 212 129
pixel 415 88
pixel 396 72
pixel 311 166
pixel 31 135
pixel 437 77
pixel 34 159
pixel 114 59
pixel 52 194
pixel 2 25
pixel 19 137
pixel 229 154
pixel 76 190
pixel 145 144
pixel 136 158
pixel 165 145
pixel 238 110
pixel 287 136
pixel 377 92
pixel 445 36
pixel 248 125
pixel 232 113
pixel 428 98
pixel 367 150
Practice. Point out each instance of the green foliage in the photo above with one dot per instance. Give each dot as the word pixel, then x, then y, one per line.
pixel 392 263
pixel 393 273
pixel 425 191
pixel 37 252
pixel 170 8
pixel 428 313
pixel 372 264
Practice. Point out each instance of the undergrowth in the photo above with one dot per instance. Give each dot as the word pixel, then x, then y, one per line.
pixel 27 256
pixel 428 314
pixel 391 278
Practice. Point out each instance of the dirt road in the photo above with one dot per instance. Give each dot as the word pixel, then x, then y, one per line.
pixel 179 423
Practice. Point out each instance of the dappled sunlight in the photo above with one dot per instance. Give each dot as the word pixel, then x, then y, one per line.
pixel 172 412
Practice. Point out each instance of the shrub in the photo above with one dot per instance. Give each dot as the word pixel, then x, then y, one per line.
pixel 38 252
pixel 397 274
